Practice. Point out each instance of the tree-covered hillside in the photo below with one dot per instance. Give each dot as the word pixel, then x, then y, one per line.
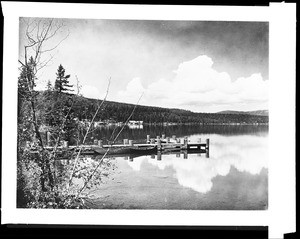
pixel 84 108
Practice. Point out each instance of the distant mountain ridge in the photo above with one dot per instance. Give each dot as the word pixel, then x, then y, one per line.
pixel 84 109
pixel 255 112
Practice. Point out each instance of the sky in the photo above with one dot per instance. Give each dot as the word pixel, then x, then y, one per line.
pixel 202 66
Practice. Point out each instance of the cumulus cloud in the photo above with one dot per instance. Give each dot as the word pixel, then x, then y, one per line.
pixel 197 86
pixel 90 92
pixel 133 91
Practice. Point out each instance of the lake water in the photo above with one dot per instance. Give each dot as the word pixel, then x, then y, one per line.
pixel 233 177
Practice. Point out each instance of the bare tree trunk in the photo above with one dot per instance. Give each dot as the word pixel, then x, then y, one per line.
pixel 87 132
pixel 101 160
pixel 37 33
pixel 35 125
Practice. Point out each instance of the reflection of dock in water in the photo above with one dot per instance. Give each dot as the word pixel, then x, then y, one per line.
pixel 153 146
pixel 160 154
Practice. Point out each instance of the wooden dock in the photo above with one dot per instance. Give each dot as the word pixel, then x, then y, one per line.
pixel 151 146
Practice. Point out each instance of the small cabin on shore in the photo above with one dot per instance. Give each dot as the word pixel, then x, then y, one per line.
pixel 135 122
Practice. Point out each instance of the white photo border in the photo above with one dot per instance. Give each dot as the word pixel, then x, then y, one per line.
pixel 280 216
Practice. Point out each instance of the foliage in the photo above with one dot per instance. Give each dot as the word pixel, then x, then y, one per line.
pixel 62 80
pixel 38 184
pixel 84 108
pixel 41 183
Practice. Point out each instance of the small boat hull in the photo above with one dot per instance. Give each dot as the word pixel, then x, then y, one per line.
pixel 143 150
pixel 123 150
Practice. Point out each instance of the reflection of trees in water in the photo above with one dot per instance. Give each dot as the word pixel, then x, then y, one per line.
pixel 105 133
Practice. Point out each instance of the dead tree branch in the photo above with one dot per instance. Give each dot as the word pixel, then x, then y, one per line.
pixel 87 132
pixel 107 151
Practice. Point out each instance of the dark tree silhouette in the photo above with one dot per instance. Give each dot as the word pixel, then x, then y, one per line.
pixel 62 81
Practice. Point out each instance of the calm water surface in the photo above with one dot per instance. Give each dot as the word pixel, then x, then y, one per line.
pixel 233 177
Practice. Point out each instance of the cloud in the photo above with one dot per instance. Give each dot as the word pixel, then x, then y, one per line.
pixel 133 91
pixel 135 164
pixel 90 92
pixel 245 153
pixel 197 86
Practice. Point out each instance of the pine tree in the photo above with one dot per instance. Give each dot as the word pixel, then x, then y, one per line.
pixel 62 81
pixel 49 86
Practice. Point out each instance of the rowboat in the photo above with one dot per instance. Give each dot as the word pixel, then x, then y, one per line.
pixel 143 150
pixel 112 150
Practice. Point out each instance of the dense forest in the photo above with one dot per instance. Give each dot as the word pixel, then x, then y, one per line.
pixel 85 108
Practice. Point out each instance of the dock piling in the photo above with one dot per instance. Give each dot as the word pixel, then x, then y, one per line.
pixel 131 142
pixel 207 154
pixel 185 143
pixel 207 144
pixel 125 141
pixel 159 156
pixel 100 143
pixel 148 139
pixel 159 144
pixel 185 154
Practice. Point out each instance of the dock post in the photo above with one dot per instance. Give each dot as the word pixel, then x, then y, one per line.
pixel 125 141
pixel 163 136
pixel 207 154
pixel 174 137
pixel 100 143
pixel 207 144
pixel 185 143
pixel 131 142
pixel 65 144
pixel 159 144
pixel 185 154
pixel 148 139
pixel 159 156
pixel 130 158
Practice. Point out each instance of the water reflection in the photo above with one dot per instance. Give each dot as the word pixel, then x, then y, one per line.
pixel 245 153
pixel 232 176
pixel 139 135
pixel 135 126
